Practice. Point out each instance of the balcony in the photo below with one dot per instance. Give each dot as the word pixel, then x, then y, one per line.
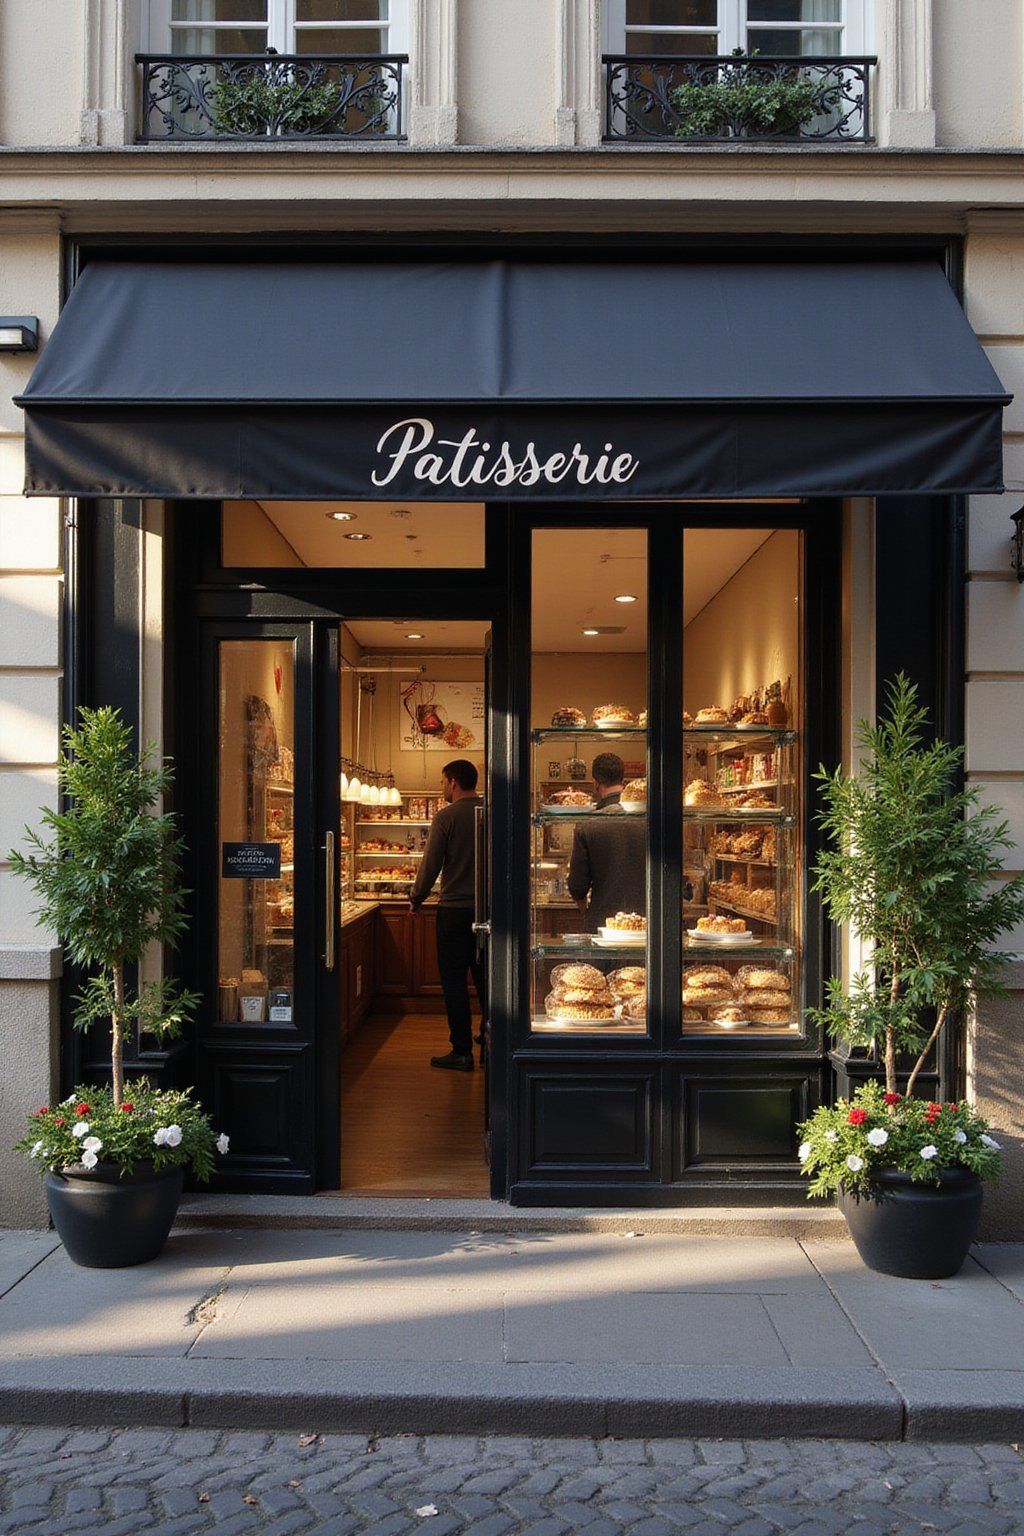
pixel 733 98
pixel 254 98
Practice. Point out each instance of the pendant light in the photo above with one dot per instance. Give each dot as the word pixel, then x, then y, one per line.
pixel 375 794
pixel 355 787
pixel 364 794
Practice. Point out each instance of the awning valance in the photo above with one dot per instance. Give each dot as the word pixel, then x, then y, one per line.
pixel 567 380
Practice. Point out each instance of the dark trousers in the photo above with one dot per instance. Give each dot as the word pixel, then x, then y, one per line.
pixel 456 960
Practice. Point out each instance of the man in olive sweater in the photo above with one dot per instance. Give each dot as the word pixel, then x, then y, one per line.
pixel 450 853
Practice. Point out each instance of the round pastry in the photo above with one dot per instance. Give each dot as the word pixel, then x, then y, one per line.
pixel 754 717
pixel 728 1013
pixel 641 719
pixel 578 974
pixel 618 712
pixel 700 792
pixel 635 792
pixel 557 972
pixel 627 976
pixel 740 706
pixel 566 994
pixel 635 1008
pixel 566 715
pixel 627 922
pixel 702 995
pixel 687 719
pixel 706 976
pixel 692 1016
pixel 571 797
pixel 721 924
pixel 766 999
pixel 714 715
pixel 567 1013
pixel 769 1015
pixel 755 800
pixel 754 976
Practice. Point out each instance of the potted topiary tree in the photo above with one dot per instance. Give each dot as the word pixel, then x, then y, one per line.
pixel 913 867
pixel 108 882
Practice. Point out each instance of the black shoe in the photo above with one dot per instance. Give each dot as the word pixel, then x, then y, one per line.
pixel 453 1062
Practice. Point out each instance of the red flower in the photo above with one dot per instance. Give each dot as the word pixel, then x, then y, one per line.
pixel 82 1109
pixel 44 1111
pixel 60 1120
pixel 127 1108
pixel 857 1116
pixel 952 1108
pixel 932 1113
pixel 891 1099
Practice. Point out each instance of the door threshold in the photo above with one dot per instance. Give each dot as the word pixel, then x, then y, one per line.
pixel 424 1213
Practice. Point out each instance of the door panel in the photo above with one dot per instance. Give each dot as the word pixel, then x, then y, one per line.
pixel 426 976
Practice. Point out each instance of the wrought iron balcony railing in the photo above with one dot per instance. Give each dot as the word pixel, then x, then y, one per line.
pixel 255 97
pixel 725 98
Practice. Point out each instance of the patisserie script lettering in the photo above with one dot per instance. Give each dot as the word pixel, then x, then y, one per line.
pixel 473 462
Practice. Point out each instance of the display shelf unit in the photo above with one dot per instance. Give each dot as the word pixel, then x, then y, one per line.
pixel 405 834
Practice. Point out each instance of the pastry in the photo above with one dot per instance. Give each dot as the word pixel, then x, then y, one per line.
pixel 692 1016
pixel 755 977
pixel 704 995
pixel 635 792
pixel 706 976
pixel 714 715
pixel 566 715
pixel 728 1013
pixel 566 1013
pixel 721 924
pixel 636 1008
pixel 571 797
pixel 740 706
pixel 754 717
pixel 755 800
pixel 566 994
pixel 769 1015
pixel 765 999
pixel 641 719
pixel 612 712
pixel 627 922
pixel 687 719
pixel 629 981
pixel 700 793
pixel 578 974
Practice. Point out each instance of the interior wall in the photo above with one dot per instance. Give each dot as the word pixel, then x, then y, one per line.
pixel 749 633
pixel 585 680
pixel 381 745
pixel 250 538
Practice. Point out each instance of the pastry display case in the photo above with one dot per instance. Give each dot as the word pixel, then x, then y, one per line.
pixel 388 842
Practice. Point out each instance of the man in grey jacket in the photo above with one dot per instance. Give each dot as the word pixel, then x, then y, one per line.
pixel 450 853
pixel 609 851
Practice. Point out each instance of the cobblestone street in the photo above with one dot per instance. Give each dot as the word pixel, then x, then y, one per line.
pixel 181 1481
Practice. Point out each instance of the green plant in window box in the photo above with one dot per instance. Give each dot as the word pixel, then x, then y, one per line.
pixel 257 106
pixel 108 879
pixel 744 102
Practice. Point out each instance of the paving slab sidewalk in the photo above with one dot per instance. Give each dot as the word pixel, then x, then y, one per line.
pixel 543 1332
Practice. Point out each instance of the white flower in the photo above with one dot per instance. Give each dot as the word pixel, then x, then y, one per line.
pixel 878 1137
pixel 172 1136
pixel 81 1128
pixel 804 1151
pixel 89 1159
pixel 929 1152
pixel 71 1098
pixel 37 1147
pixel 959 1137
pixel 222 1144
pixel 92 1144
pixel 990 1141
pixel 831 1135
pixel 160 1137
pixel 854 1162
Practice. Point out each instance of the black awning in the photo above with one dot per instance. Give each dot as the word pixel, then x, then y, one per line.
pixel 512 379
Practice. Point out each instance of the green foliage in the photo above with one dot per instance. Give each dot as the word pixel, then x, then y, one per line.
pixel 745 101
pixel 257 105
pixel 847 1144
pixel 89 1128
pixel 913 866
pixel 108 876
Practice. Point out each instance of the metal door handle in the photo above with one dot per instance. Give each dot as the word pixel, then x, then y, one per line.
pixel 484 928
pixel 330 901
pixel 481 923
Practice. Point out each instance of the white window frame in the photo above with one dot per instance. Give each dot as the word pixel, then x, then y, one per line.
pixel 852 37
pixel 281 26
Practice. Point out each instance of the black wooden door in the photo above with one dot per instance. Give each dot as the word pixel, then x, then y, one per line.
pixel 266 868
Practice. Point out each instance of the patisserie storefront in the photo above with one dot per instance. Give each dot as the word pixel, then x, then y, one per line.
pixel 632 534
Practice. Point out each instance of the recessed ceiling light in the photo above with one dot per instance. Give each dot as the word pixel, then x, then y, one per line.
pixel 359 536
pixel 341 517
pixel 591 631
pixel 626 597
pixel 414 634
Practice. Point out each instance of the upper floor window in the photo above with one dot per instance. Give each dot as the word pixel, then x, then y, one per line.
pixel 768 27
pixel 288 26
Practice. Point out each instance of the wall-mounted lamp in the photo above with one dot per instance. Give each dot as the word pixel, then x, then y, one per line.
pixel 1017 543
pixel 19 333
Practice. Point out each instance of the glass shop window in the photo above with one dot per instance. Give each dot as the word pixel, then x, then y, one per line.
pixel 409 535
pixel 743 811
pixel 589 781
pixel 256 832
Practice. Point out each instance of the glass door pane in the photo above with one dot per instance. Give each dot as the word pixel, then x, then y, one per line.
pixel 589 789
pixel 256 832
pixel 743 888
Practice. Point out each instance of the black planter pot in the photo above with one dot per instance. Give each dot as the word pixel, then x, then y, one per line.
pixel 109 1222
pixel 918 1231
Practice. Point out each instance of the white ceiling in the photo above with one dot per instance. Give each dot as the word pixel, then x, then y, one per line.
pixel 385 636
pixel 403 534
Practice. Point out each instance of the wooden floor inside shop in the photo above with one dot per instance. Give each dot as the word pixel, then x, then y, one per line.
pixel 407 1128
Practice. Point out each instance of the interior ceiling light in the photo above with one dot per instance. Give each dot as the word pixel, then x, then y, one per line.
pixel 605 629
pixel 359 536
pixel 591 631
pixel 414 634
pixel 341 517
pixel 626 597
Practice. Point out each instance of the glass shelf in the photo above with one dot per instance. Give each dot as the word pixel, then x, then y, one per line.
pixel 612 732
pixel 577 813
pixel 740 735
pixel 555 950
pixel 755 815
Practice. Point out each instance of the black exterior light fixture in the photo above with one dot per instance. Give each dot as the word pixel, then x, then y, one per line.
pixel 1017 543
pixel 19 333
